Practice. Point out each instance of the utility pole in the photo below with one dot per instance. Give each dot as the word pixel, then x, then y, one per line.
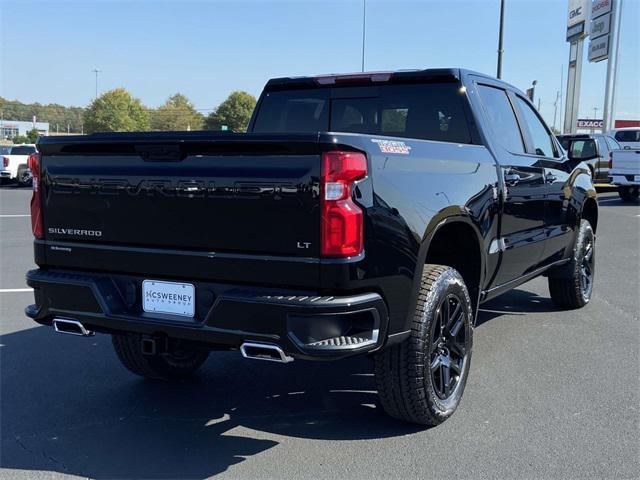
pixel 555 110
pixel 561 129
pixel 96 71
pixel 595 113
pixel 364 28
pixel 500 38
pixel 539 102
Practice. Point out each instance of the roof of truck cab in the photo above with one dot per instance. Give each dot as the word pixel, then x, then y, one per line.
pixel 376 77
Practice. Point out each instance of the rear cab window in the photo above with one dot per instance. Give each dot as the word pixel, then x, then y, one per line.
pixel 430 111
pixel 628 135
pixel 23 150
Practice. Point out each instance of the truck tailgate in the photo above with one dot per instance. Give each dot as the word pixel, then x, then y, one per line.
pixel 245 196
pixel 626 162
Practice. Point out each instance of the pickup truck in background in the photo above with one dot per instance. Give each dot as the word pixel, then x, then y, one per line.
pixel 624 171
pixel 364 214
pixel 627 137
pixel 14 166
pixel 596 149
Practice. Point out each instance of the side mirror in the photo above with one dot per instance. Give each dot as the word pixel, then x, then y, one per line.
pixel 583 150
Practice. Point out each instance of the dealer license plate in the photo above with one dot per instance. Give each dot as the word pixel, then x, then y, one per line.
pixel 168 297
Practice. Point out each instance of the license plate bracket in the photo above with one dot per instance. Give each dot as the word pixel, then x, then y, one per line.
pixel 171 298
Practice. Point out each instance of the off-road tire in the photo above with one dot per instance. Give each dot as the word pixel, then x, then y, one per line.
pixel 567 288
pixel 403 372
pixel 629 194
pixel 164 366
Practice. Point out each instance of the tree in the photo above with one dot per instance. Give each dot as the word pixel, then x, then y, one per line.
pixel 116 111
pixel 32 135
pixel 177 113
pixel 19 139
pixel 234 113
pixel 59 117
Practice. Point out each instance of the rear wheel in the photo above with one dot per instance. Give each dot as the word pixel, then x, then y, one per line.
pixel 180 361
pixel 421 380
pixel 24 176
pixel 573 286
pixel 629 194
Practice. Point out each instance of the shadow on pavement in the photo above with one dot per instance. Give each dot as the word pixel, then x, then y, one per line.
pixel 68 406
pixel 515 302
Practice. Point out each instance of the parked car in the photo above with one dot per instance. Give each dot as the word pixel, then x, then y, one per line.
pixel 596 150
pixel 14 163
pixel 628 137
pixel 625 172
pixel 364 214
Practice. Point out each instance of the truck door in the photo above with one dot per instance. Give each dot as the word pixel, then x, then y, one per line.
pixel 542 147
pixel 522 223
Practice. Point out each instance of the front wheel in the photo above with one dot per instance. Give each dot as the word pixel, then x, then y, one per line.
pixel 629 194
pixel 421 380
pixel 573 287
pixel 181 361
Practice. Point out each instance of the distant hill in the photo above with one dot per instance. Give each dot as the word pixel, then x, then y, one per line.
pixel 52 113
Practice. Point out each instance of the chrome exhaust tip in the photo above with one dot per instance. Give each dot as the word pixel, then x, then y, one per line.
pixel 264 351
pixel 71 327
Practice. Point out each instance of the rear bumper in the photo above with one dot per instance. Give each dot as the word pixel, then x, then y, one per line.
pixel 302 324
pixel 623 179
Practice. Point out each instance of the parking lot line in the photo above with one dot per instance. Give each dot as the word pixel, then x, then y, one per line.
pixel 13 216
pixel 15 290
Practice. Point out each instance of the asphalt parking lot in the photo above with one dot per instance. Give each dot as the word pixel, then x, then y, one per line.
pixel 551 394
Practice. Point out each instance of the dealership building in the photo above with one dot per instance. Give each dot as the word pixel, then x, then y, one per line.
pixel 13 128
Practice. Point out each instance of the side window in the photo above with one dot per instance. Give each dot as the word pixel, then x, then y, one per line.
pixel 502 118
pixel 602 146
pixel 613 145
pixel 540 136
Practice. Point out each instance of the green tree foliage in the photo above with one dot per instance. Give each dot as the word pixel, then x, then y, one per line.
pixel 177 113
pixel 58 116
pixel 116 111
pixel 19 139
pixel 234 113
pixel 32 135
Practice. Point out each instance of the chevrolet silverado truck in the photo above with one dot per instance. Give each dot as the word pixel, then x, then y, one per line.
pixel 361 214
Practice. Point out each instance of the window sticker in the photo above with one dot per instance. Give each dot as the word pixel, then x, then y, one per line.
pixel 392 146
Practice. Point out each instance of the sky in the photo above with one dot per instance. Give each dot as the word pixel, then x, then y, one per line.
pixel 207 49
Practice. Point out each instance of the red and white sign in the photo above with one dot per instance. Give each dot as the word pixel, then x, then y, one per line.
pixel 590 123
pixel 600 7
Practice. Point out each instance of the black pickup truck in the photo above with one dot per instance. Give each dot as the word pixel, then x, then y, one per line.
pixel 366 214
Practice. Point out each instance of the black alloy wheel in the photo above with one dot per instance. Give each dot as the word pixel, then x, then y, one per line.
pixel 586 268
pixel 448 352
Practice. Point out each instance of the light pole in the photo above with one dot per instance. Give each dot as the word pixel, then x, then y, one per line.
pixel 500 37
pixel 364 28
pixel 96 71
pixel 532 90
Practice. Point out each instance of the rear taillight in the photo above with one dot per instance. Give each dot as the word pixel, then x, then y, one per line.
pixel 341 220
pixel 36 208
pixel 5 161
pixel 610 160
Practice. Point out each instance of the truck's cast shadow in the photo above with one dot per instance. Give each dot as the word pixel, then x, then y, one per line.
pixel 68 406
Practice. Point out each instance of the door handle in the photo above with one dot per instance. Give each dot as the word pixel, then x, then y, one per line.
pixel 511 178
pixel 550 177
